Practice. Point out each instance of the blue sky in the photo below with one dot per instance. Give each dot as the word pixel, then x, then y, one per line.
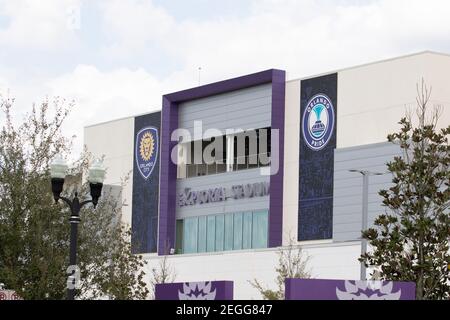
pixel 116 58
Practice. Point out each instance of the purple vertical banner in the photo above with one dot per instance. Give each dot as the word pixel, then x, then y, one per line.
pixel 202 290
pixel 318 123
pixel 321 289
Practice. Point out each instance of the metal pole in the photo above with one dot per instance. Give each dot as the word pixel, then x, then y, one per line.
pixel 365 209
pixel 74 221
pixel 73 257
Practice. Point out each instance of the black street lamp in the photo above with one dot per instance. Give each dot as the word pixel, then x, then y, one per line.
pixel 58 170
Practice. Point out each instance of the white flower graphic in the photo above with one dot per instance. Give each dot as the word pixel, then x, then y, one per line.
pixel 197 291
pixel 354 291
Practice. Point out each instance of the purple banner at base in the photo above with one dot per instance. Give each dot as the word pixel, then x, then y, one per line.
pixel 320 289
pixel 203 290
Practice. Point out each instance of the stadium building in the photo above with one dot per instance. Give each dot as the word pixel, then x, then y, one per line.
pixel 224 218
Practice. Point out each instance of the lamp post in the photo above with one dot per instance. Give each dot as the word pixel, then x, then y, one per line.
pixel 58 170
pixel 365 213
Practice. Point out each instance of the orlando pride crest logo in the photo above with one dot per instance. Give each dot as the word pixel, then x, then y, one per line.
pixel 318 122
pixel 147 144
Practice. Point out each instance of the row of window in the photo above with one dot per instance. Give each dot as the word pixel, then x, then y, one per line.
pixel 239 163
pixel 231 231
pixel 245 150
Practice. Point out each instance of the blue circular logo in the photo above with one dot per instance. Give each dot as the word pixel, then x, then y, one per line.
pixel 318 122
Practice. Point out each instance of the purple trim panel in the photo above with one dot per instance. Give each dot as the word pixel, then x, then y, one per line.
pixel 204 290
pixel 276 180
pixel 168 179
pixel 321 289
pixel 168 170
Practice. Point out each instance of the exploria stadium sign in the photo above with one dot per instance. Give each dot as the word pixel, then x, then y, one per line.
pixel 189 197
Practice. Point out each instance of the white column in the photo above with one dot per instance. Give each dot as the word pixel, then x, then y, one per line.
pixel 230 153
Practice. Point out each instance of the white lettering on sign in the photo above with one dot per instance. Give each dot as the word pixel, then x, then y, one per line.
pixel 241 191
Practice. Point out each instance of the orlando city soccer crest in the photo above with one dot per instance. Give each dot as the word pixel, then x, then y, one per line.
pixel 147 144
pixel 318 122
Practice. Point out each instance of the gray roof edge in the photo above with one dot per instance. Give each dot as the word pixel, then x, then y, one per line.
pixel 372 63
pixel 366 146
pixel 119 119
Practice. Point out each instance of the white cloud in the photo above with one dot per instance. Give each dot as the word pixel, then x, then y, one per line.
pixel 102 96
pixel 43 25
pixel 134 23
pixel 303 37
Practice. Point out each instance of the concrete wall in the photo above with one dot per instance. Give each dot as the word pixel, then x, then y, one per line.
pixel 373 98
pixel 347 200
pixel 115 140
pixel 327 261
pixel 291 161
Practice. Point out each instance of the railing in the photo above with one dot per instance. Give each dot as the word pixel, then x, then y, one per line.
pixel 239 163
pixel 251 161
pixel 203 169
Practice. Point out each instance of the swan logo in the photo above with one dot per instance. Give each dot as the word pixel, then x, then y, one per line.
pixel 318 122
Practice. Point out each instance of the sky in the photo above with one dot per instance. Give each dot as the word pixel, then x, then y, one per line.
pixel 116 58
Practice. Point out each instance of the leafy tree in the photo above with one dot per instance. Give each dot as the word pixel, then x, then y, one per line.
pixel 34 231
pixel 411 240
pixel 107 263
pixel 291 264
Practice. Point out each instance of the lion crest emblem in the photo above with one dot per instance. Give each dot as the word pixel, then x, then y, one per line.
pixel 146 150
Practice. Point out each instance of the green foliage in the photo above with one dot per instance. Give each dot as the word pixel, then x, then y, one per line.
pixel 411 240
pixel 34 231
pixel 291 264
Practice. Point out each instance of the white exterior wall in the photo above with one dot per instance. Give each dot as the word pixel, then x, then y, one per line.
pixel 371 99
pixel 330 261
pixel 291 161
pixel 118 155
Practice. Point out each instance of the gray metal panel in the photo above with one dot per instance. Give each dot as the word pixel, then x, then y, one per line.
pixel 223 180
pixel 242 109
pixel 347 190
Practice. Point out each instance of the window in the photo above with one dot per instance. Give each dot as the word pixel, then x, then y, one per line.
pixel 192 160
pixel 231 231
pixel 260 228
pixel 247 230
pixel 237 231
pixel 202 234
pixel 190 232
pixel 252 149
pixel 211 234
pixel 220 226
pixel 245 150
pixel 179 237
